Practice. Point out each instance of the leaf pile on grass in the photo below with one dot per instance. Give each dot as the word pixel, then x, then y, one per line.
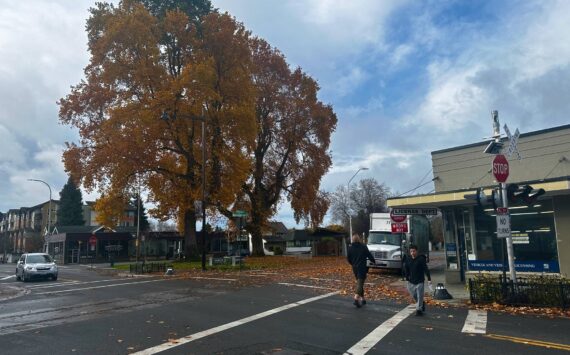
pixel 332 273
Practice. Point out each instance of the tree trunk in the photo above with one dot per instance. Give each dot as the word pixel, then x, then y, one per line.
pixel 190 246
pixel 256 239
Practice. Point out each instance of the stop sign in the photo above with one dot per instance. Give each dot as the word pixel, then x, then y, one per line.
pixel 500 168
pixel 397 218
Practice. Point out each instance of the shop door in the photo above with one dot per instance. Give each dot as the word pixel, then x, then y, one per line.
pixel 464 238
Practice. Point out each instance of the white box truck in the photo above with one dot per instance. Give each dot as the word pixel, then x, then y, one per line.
pixel 388 248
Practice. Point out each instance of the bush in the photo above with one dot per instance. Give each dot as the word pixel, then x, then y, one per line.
pixel 533 290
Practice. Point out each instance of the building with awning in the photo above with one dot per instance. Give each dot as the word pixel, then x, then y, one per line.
pixel 86 244
pixel 540 224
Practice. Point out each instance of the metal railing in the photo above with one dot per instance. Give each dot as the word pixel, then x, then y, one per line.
pixel 526 292
pixel 147 268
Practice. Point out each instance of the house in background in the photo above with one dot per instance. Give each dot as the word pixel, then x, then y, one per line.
pixel 23 230
pixel 318 242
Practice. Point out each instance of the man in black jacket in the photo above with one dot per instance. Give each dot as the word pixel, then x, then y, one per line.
pixel 357 255
pixel 415 267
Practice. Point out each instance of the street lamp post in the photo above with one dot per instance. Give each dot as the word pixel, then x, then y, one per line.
pixel 49 205
pixel 202 119
pixel 348 191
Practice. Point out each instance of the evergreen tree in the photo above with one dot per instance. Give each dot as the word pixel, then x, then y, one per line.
pixel 70 212
pixel 144 225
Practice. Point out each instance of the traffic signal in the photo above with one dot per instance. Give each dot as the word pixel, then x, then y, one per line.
pixel 533 195
pixel 523 194
pixel 484 200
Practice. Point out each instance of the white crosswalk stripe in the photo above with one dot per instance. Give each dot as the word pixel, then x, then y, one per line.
pixel 476 322
pixel 364 345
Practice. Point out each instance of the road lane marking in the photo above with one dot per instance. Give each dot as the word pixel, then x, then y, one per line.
pixel 210 278
pixel 476 322
pixel 221 328
pixel 103 286
pixel 8 277
pixel 72 282
pixel 364 345
pixel 301 285
pixel 544 344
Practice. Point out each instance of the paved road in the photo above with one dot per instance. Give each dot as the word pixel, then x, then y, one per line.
pixel 88 313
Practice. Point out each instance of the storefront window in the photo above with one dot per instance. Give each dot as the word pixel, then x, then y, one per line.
pixel 534 239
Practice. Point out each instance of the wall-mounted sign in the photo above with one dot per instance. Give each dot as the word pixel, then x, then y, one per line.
pixel 420 210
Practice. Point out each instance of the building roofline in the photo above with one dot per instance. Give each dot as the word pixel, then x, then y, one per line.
pixel 486 142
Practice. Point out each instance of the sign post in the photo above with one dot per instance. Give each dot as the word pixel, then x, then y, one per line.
pixel 500 168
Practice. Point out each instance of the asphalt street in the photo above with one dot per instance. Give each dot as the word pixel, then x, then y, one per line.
pixel 86 312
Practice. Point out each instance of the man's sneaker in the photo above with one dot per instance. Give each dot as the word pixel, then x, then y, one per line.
pixel 419 313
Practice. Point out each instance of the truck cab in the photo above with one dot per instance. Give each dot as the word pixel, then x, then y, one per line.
pixel 388 248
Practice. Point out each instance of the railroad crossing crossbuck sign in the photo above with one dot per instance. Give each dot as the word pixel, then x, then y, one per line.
pixel 513 141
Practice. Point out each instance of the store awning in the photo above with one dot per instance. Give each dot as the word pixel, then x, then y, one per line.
pixel 453 198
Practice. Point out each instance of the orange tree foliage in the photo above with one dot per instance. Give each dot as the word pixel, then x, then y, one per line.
pixel 142 67
pixel 291 148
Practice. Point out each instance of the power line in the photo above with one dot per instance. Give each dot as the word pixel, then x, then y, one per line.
pixel 417 187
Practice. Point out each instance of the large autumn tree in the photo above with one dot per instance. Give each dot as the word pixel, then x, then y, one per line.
pixel 151 78
pixel 291 152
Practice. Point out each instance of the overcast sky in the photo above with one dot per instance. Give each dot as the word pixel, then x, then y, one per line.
pixel 404 77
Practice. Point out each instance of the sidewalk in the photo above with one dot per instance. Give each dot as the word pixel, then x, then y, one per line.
pixel 459 292
pixel 436 265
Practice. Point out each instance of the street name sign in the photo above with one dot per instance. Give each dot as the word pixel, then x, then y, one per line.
pixel 419 210
pixel 239 213
pixel 500 168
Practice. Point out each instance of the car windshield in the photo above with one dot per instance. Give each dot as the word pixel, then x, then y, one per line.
pixel 384 238
pixel 38 259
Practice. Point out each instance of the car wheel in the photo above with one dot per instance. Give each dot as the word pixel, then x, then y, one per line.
pixel 54 277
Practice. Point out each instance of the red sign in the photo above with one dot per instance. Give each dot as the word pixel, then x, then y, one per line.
pixel 500 168
pixel 93 240
pixel 397 218
pixel 502 210
pixel 399 227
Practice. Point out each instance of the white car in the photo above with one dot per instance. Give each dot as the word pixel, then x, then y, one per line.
pixel 35 265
